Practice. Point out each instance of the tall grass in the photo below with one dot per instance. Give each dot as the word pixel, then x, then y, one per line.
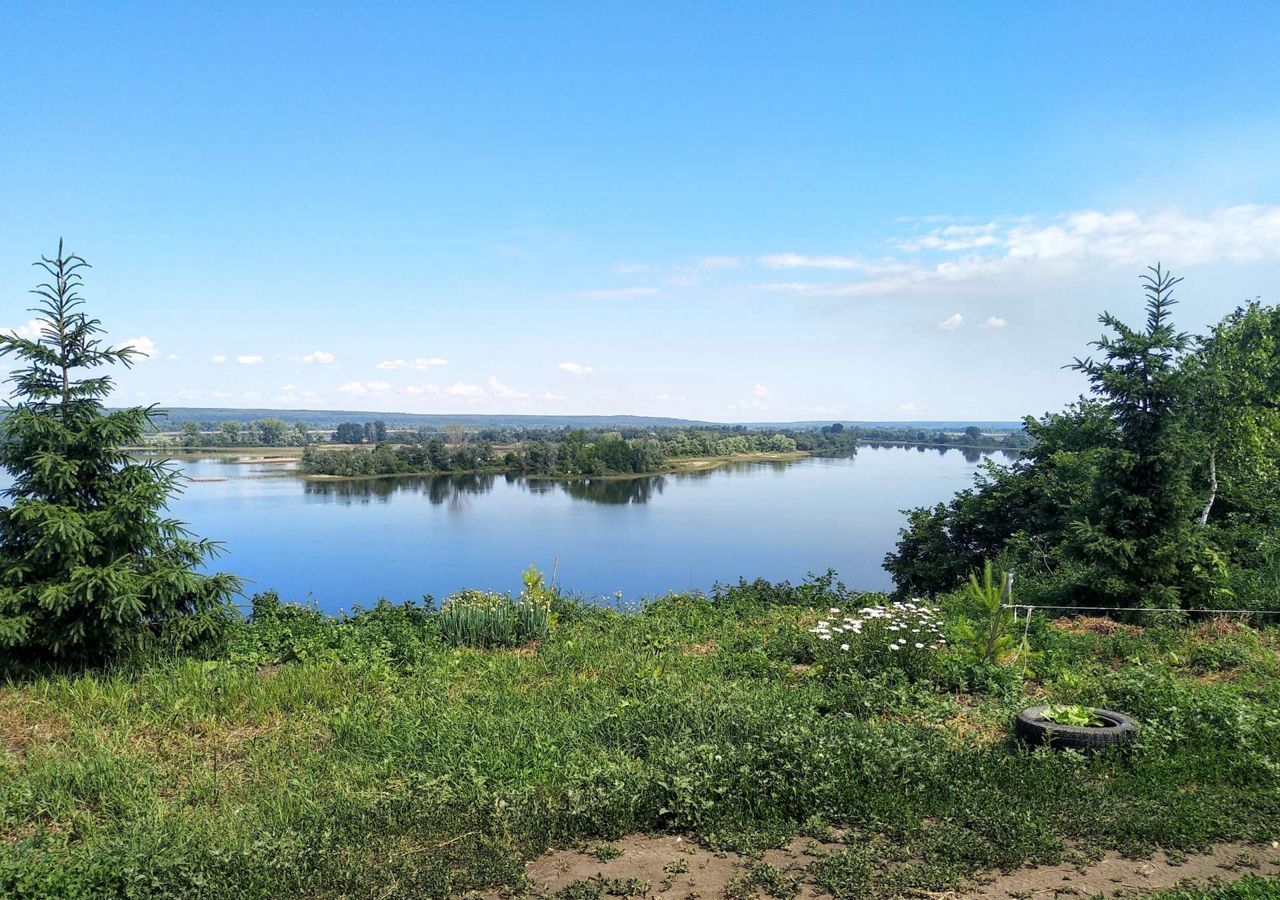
pixel 485 619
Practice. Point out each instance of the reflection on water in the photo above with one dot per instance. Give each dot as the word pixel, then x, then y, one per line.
pixel 347 542
pixel 452 490
pixel 439 490
pixel 970 454
pixel 615 490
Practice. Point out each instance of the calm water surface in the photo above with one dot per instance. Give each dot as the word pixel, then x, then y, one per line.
pixel 346 542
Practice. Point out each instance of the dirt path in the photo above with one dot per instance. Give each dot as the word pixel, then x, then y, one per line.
pixel 1116 875
pixel 667 867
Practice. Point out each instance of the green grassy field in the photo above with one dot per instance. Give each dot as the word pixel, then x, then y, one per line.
pixel 312 757
pixel 1251 888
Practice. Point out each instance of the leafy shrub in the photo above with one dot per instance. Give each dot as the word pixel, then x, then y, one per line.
pixel 960 674
pixel 278 632
pixel 815 592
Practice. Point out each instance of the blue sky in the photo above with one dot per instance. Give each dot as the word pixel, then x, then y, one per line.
pixel 721 211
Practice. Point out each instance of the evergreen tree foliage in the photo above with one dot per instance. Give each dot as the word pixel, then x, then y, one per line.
pixel 1137 530
pixel 1161 488
pixel 89 561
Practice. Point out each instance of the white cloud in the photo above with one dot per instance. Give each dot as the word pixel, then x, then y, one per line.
pixel 319 356
pixel 574 368
pixel 420 363
pixel 952 322
pixel 248 360
pixel 953 238
pixel 197 394
pixel 799 261
pixel 459 389
pixel 501 390
pixel 719 262
pixel 619 293
pixel 995 322
pixel 908 407
pixel 144 345
pixel 1008 254
pixel 363 388
pixel 492 389
pixel 29 330
pixel 217 359
pixel 668 398
pixel 291 393
pixel 173 356
pixel 759 394
pixel 632 268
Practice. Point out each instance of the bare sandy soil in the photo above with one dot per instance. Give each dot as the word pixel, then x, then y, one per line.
pixel 673 868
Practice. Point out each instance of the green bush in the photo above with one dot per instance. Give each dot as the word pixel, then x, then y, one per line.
pixel 278 632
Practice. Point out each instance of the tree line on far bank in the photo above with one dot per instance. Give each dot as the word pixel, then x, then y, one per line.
pixel 574 452
pixel 275 432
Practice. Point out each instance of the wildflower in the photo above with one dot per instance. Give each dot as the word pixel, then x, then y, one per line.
pixel 893 646
pixel 919 646
pixel 844 647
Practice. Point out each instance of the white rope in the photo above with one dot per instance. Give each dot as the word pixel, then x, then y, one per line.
pixel 1241 612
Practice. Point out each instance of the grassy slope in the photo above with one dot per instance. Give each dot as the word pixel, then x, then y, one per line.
pixel 377 762
pixel 1251 888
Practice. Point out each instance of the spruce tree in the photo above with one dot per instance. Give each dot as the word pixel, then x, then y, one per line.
pixel 1138 528
pixel 90 562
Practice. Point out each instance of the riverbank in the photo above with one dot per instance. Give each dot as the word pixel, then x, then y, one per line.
pixel 314 757
pixel 676 466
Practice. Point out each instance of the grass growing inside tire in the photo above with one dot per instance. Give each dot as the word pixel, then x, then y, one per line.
pixel 367 757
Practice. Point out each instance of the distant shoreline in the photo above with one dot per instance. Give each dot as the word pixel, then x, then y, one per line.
pixel 683 465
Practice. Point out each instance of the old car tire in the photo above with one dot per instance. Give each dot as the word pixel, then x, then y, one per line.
pixel 1033 728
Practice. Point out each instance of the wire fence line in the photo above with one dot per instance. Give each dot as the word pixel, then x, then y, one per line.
pixel 1032 607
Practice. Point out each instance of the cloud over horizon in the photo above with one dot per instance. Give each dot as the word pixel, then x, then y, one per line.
pixel 1005 254
pixel 420 363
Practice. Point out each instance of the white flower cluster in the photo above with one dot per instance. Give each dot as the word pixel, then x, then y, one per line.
pixel 912 623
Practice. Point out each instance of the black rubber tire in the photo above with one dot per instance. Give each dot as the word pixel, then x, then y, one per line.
pixel 1033 728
